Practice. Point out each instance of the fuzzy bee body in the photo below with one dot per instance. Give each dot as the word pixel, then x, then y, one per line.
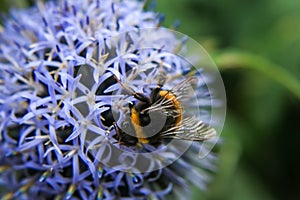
pixel 159 116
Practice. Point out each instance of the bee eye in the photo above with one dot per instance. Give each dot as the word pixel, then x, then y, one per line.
pixel 130 105
pixel 109 117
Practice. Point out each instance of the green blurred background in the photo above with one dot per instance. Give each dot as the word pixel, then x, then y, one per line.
pixel 256 45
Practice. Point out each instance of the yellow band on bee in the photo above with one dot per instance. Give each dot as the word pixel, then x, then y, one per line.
pixel 171 97
pixel 135 117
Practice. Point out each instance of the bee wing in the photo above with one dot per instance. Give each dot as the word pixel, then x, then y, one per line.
pixel 185 88
pixel 183 91
pixel 190 129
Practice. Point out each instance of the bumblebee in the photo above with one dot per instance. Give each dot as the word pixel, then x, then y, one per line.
pixel 159 116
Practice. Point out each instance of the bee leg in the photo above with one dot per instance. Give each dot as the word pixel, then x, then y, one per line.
pixel 120 141
pixel 139 145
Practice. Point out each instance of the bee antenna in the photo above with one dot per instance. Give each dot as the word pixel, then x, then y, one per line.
pixel 137 95
pixel 125 87
pixel 161 78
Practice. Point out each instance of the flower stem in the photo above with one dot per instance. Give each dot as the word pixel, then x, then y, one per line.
pixel 230 59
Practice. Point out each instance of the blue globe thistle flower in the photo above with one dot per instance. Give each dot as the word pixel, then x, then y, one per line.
pixel 69 73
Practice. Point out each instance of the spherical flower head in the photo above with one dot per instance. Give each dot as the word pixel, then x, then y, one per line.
pixel 97 101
